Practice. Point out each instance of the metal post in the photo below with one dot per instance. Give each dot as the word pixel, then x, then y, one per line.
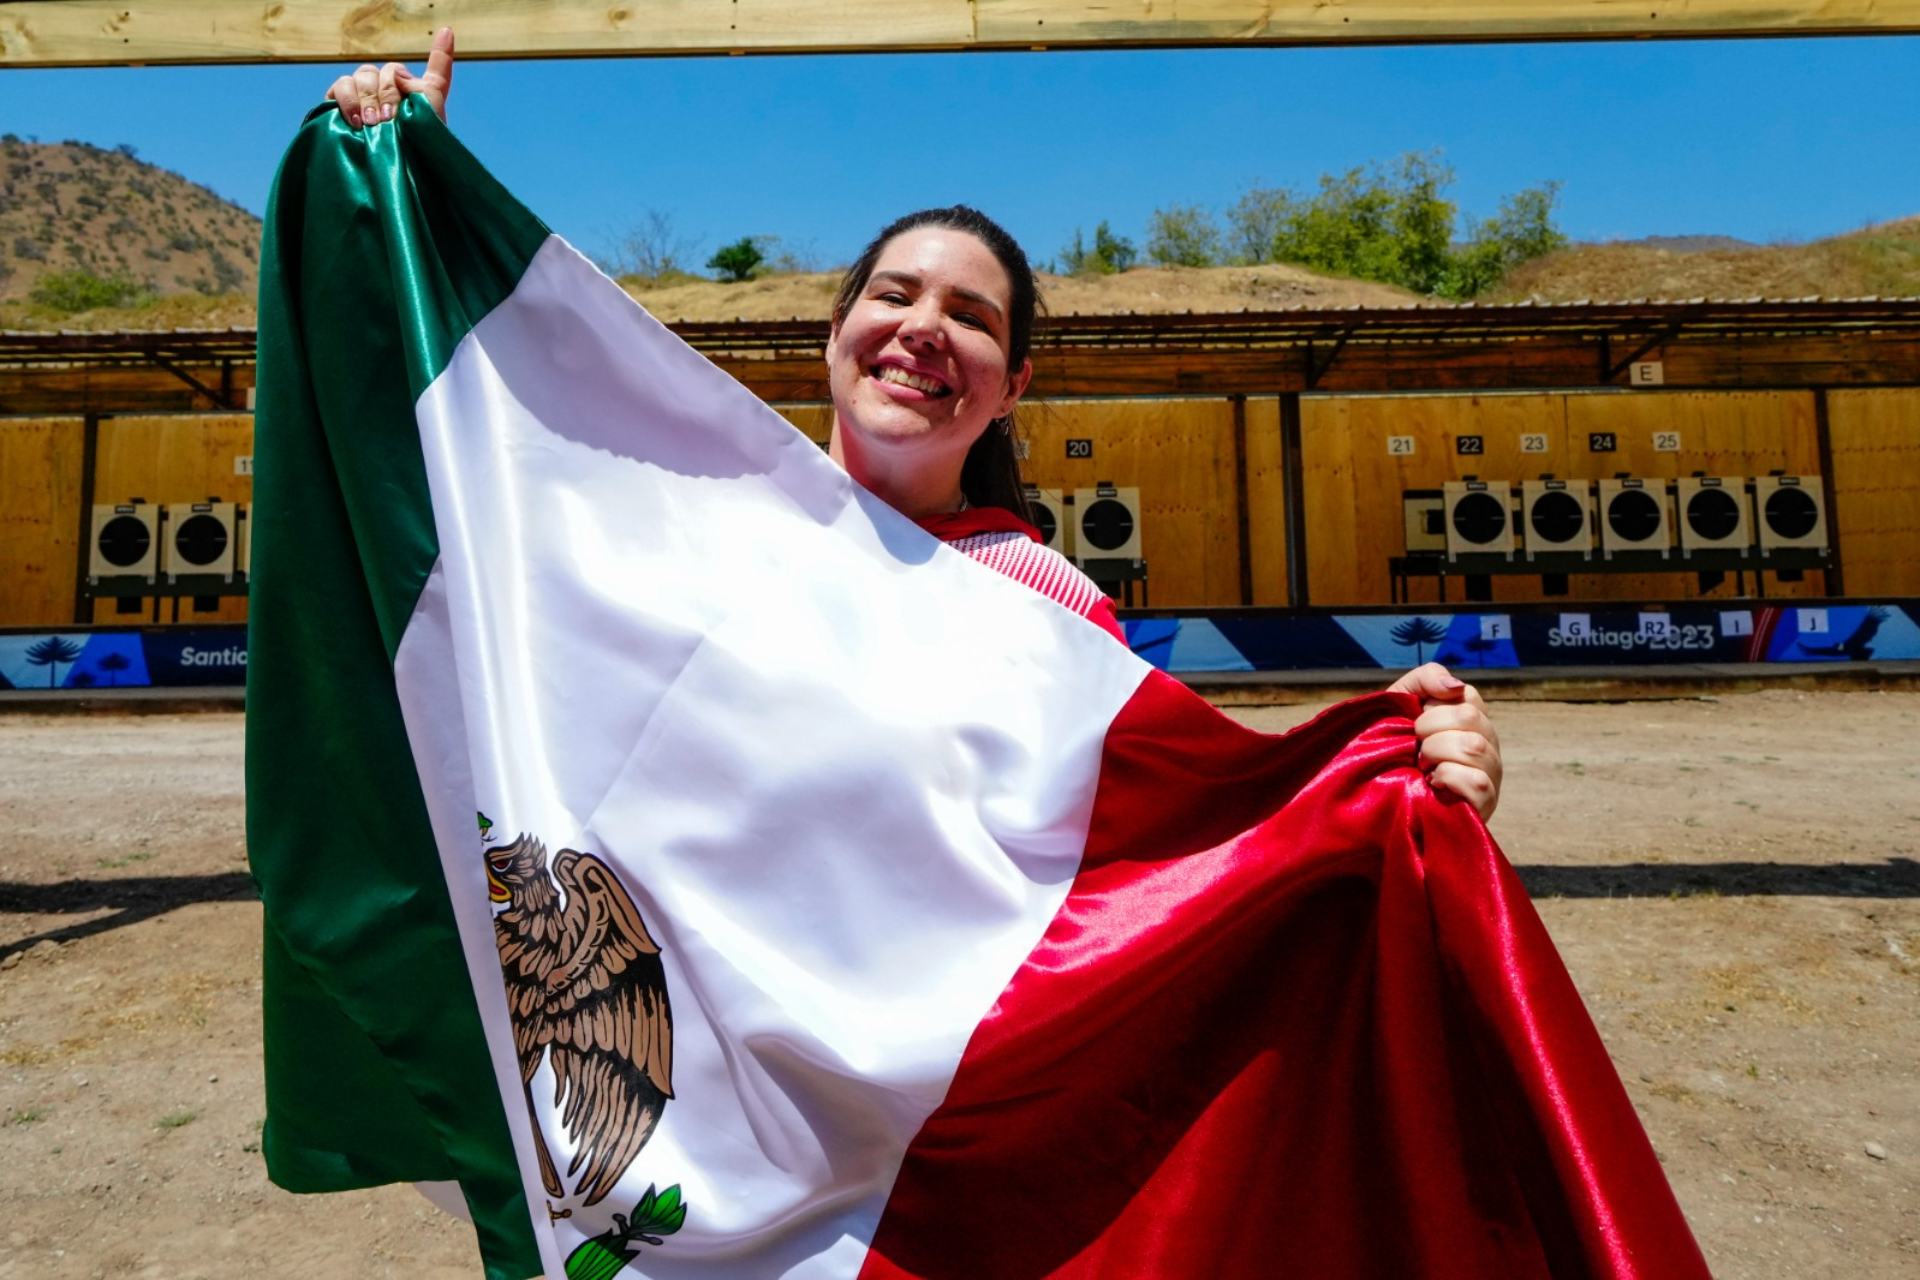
pixel 1833 580
pixel 82 590
pixel 1293 482
pixel 1245 532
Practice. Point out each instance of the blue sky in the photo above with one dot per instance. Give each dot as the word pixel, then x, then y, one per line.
pixel 1766 140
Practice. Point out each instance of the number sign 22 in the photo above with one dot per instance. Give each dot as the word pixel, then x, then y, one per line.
pixel 1469 444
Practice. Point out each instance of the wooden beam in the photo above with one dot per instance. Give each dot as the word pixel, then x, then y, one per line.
pixel 1723 361
pixel 121 32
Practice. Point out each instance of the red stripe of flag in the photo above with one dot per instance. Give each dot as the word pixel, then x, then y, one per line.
pixel 1295 1017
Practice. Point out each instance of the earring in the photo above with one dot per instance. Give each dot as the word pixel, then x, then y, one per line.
pixel 1003 425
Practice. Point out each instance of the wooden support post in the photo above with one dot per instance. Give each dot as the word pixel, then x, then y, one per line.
pixel 1834 580
pixel 89 451
pixel 1243 516
pixel 1293 482
pixel 120 32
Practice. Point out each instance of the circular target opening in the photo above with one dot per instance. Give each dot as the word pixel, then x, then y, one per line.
pixel 1633 515
pixel 1791 513
pixel 1558 517
pixel 1479 518
pixel 1043 521
pixel 1713 514
pixel 200 539
pixel 1107 525
pixel 124 540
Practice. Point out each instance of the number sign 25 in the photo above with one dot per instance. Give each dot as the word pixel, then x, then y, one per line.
pixel 1079 448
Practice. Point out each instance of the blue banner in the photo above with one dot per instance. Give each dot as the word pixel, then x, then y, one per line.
pixel 1609 635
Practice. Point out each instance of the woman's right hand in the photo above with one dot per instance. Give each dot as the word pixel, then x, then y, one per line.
pixel 372 94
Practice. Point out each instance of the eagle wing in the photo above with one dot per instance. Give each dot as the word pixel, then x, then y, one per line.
pixel 611 1028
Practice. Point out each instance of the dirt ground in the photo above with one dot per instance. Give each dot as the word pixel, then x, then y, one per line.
pixel 1735 885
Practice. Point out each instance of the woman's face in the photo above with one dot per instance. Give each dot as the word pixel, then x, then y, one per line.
pixel 918 366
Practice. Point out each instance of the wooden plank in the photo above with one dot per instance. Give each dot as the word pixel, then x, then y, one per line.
pixel 1876 473
pixel 1721 433
pixel 1180 454
pixel 1888 359
pixel 98 32
pixel 39 521
pixel 1266 503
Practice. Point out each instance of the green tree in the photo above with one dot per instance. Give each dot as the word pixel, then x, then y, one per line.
pixel 1522 231
pixel 1386 223
pixel 739 260
pixel 1110 253
pixel 1183 235
pixel 1254 222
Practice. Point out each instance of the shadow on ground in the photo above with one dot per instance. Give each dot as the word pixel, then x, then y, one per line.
pixel 1894 878
pixel 129 899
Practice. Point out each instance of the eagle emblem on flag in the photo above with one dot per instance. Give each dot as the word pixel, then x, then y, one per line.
pixel 587 995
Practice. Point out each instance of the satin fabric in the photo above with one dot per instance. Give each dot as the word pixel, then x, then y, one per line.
pixel 1296 1017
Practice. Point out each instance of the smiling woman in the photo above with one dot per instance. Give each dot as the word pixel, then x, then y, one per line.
pixel 929 355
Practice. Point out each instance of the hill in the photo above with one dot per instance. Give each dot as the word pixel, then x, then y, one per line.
pixel 1148 290
pixel 71 206
pixel 1880 261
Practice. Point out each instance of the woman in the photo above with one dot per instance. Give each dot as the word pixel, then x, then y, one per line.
pixel 927 360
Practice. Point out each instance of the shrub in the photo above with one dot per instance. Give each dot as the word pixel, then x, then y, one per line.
pixel 739 260
pixel 70 291
pixel 1183 236
pixel 1110 253
pixel 28 249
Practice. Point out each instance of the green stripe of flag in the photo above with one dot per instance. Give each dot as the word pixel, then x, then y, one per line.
pixel 382 249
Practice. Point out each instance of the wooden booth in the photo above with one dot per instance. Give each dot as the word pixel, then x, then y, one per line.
pixel 1271 452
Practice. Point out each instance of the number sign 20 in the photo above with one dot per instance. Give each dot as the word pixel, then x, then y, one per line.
pixel 1077 448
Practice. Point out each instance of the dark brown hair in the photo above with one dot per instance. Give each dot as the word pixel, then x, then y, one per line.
pixel 990 476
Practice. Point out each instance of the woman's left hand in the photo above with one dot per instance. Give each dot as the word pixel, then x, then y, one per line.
pixel 1458 746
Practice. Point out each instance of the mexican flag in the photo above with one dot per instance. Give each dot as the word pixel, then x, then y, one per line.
pixel 700 870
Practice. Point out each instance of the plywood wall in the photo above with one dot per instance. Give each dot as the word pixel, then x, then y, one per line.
pixel 1353 484
pixel 1180 453
pixel 174 459
pixel 39 519
pixel 1876 471
pixel 161 459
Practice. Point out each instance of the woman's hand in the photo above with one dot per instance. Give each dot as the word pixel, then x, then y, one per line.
pixel 1458 747
pixel 372 94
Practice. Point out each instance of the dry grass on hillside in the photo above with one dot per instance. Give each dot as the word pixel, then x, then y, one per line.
pixel 70 206
pixel 1150 290
pixel 1882 261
